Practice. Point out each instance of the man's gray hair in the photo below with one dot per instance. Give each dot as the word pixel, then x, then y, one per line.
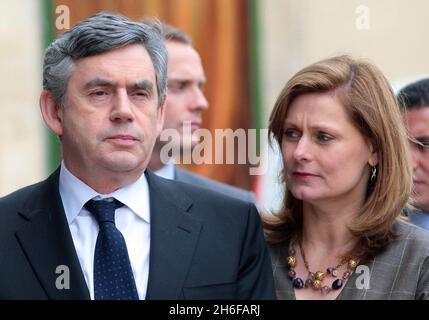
pixel 95 35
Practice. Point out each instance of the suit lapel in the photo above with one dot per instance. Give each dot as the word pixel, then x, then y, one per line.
pixel 174 235
pixel 45 238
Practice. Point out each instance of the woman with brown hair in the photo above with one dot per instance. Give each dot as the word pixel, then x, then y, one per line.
pixel 348 175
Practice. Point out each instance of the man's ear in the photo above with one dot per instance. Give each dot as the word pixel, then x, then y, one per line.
pixel 52 113
pixel 160 117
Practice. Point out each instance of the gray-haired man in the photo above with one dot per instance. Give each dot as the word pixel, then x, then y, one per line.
pixel 102 226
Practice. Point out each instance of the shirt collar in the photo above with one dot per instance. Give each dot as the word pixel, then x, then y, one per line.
pixel 75 193
pixel 167 171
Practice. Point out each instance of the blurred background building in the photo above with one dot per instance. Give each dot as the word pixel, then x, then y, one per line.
pixel 249 48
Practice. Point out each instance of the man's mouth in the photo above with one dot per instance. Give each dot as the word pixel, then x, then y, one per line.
pixel 123 139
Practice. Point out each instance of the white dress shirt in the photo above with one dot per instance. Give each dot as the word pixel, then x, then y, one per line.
pixel 133 220
pixel 166 171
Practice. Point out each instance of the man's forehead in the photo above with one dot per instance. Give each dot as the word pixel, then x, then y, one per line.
pixel 420 113
pixel 182 52
pixel 131 55
pixel 186 70
pixel 417 121
pixel 128 64
pixel 88 80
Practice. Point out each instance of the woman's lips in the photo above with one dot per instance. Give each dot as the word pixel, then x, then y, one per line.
pixel 303 175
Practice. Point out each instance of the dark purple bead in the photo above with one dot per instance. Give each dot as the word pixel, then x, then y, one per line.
pixel 346 275
pixel 292 252
pixel 292 273
pixel 298 283
pixel 330 270
pixel 308 282
pixel 337 284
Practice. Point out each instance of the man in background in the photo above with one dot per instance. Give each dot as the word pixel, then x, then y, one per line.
pixel 185 104
pixel 414 100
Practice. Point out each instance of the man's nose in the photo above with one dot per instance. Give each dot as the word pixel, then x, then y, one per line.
pixel 415 157
pixel 199 101
pixel 122 109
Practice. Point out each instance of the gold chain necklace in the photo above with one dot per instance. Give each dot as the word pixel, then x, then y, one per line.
pixel 315 279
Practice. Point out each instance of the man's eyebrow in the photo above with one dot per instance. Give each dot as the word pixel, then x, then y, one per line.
pixel 186 82
pixel 142 85
pixel 98 82
pixel 176 80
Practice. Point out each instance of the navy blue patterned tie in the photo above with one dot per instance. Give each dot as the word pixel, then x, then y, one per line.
pixel 113 276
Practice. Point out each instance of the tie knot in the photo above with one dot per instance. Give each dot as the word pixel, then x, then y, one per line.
pixel 103 210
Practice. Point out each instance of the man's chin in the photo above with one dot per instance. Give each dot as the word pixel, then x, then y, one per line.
pixel 123 163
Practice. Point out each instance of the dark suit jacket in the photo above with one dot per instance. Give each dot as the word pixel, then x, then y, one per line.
pixel 196 180
pixel 203 245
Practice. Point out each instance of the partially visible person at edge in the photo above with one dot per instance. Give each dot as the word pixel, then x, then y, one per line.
pixel 102 226
pixel 348 175
pixel 414 102
pixel 185 104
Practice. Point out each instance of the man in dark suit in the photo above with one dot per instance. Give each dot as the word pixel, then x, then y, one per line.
pixel 102 226
pixel 185 104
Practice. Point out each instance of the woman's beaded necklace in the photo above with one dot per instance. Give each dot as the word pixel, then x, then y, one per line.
pixel 315 279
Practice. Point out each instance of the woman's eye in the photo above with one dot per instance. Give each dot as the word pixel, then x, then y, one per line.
pixel 291 134
pixel 324 137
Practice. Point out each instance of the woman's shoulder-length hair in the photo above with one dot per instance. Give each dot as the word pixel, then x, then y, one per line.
pixel 372 107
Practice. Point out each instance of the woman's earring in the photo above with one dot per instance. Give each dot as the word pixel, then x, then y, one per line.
pixel 373 173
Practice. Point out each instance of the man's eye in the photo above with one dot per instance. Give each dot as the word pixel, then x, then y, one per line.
pixel 99 93
pixel 142 93
pixel 177 86
pixel 422 143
